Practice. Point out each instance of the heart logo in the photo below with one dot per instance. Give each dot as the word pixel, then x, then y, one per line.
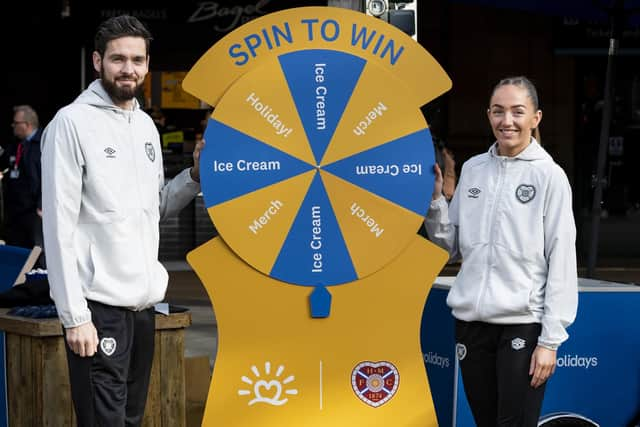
pixel 108 345
pixel 525 193
pixel 375 383
pixel 461 351
pixel 151 153
pixel 263 393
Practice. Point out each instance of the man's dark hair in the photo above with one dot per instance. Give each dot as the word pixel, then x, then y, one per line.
pixel 120 26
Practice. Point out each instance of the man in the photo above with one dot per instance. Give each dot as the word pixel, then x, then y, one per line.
pixel 20 174
pixel 103 197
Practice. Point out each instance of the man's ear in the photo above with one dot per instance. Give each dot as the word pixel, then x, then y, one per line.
pixel 97 61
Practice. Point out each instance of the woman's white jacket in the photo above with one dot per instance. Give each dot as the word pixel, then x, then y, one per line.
pixel 511 222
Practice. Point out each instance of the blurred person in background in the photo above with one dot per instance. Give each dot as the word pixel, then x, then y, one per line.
pixel 20 173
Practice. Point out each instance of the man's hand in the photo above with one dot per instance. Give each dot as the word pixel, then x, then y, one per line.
pixel 195 170
pixel 543 365
pixel 83 339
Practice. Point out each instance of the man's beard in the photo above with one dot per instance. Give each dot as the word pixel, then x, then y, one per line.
pixel 120 94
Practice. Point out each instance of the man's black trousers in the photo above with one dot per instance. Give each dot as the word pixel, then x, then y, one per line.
pixel 110 388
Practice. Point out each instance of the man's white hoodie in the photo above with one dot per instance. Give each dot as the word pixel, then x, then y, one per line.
pixel 511 221
pixel 103 195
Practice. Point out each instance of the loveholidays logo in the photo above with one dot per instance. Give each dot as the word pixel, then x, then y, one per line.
pixel 435 359
pixel 576 361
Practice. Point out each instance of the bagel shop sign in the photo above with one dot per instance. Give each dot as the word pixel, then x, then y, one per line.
pixel 182 30
pixel 233 15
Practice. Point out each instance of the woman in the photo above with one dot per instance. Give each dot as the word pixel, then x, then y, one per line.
pixel 511 222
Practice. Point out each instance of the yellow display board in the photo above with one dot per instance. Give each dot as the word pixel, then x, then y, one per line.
pixel 307 28
pixel 317 172
pixel 361 366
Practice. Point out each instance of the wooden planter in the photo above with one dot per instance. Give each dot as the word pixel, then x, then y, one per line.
pixel 38 391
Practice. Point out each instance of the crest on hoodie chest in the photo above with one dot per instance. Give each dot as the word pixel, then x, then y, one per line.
pixel 150 151
pixel 525 193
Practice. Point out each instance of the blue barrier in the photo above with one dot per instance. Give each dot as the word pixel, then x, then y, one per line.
pixel 597 371
pixel 12 259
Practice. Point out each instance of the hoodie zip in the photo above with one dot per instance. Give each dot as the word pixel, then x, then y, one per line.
pixel 502 167
pixel 132 145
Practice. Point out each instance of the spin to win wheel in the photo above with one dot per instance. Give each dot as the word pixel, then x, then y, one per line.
pixel 318 167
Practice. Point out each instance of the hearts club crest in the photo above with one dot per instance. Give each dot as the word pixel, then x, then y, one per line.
pixel 375 383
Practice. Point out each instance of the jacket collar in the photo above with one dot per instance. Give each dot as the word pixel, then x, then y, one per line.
pixel 533 151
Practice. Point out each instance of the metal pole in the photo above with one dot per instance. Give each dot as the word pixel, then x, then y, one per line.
pixel 616 24
pixel 2 209
pixel 83 69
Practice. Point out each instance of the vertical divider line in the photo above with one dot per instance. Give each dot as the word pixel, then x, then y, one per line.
pixel 321 385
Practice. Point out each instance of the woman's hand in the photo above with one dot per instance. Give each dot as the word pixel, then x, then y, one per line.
pixel 449 160
pixel 449 180
pixel 437 185
pixel 543 365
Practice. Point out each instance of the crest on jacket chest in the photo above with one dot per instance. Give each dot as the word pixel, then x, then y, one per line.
pixel 525 193
pixel 151 152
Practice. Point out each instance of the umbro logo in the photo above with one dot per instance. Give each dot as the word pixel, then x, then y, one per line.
pixel 111 153
pixel 474 193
